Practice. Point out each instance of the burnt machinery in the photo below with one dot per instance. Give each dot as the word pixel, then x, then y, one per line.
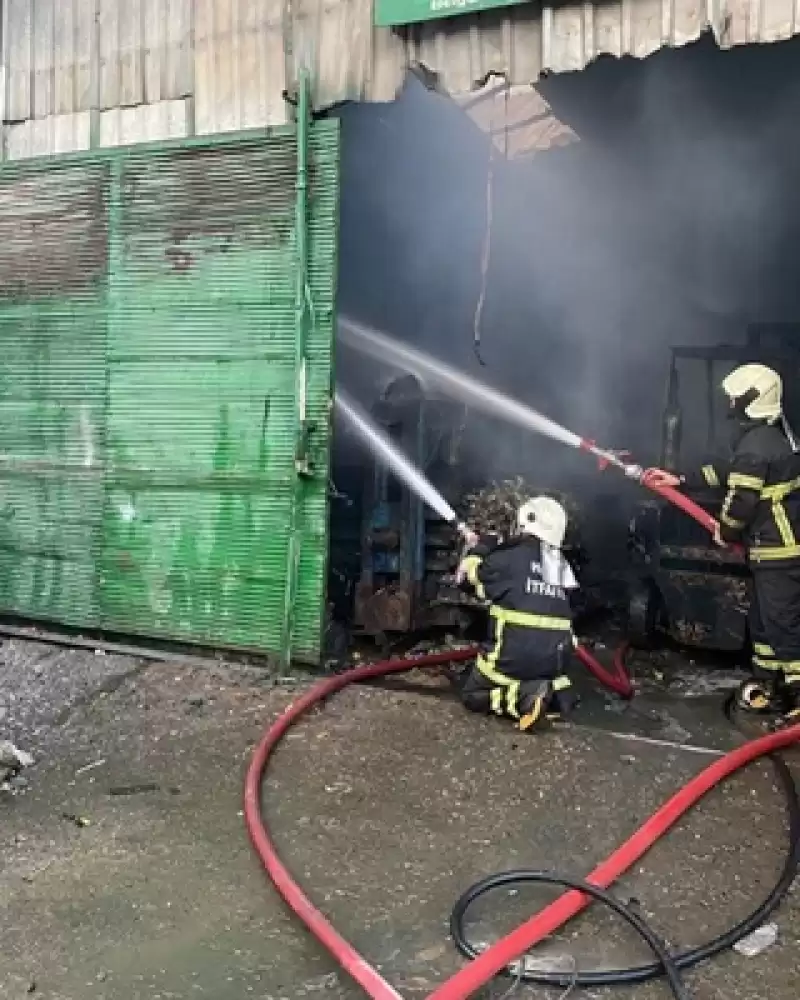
pixel 405 547
pixel 684 585
pixel 408 554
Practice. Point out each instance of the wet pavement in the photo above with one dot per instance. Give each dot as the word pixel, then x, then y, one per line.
pixel 126 874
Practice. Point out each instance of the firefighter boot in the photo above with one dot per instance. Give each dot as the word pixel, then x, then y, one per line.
pixel 534 700
pixel 563 698
pixel 563 701
pixel 754 695
pixel 788 703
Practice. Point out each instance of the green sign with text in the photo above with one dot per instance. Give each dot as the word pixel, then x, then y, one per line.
pixel 389 13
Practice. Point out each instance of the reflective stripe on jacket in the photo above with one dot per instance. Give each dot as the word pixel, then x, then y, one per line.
pixel 509 576
pixel 761 506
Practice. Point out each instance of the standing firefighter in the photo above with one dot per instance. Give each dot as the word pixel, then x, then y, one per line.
pixel 526 581
pixel 761 510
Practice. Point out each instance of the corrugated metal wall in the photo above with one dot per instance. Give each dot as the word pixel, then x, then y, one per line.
pixel 104 72
pixel 101 72
pixel 148 401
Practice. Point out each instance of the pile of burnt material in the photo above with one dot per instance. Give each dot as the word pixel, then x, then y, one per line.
pixel 493 510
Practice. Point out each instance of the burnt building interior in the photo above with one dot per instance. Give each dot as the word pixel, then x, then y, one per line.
pixel 627 272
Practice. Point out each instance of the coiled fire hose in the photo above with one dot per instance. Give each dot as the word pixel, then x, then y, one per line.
pixel 499 956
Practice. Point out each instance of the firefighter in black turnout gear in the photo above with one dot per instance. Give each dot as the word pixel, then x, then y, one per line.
pixel 761 510
pixel 526 580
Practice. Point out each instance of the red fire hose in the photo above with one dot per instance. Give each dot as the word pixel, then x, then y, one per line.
pixel 498 957
pixel 618 680
pixel 682 502
pixel 479 971
pixel 689 507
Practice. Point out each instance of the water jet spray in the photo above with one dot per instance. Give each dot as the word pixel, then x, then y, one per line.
pixel 498 404
pixel 457 384
pixel 387 451
pixel 383 447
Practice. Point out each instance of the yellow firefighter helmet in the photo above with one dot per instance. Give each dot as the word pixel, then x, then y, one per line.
pixel 762 385
pixel 545 518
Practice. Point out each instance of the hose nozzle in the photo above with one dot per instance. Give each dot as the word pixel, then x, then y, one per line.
pixel 469 536
pixel 633 472
pixel 608 456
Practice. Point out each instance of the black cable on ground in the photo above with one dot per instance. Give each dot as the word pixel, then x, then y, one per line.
pixel 678 960
pixel 666 963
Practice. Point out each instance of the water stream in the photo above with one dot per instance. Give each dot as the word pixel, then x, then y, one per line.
pixel 381 446
pixel 457 384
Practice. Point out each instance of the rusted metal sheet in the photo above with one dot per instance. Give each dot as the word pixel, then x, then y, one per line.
pixel 69 207
pixel 385 610
pixel 232 60
pixel 526 40
pixel 145 51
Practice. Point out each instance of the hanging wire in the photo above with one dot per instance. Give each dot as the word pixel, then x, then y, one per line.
pixel 486 250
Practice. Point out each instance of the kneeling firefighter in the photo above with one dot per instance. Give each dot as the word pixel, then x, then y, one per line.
pixel 761 510
pixel 526 580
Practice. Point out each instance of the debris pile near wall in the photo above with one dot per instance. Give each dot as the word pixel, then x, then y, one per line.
pixel 493 508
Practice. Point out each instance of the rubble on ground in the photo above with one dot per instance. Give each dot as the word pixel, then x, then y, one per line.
pixel 12 762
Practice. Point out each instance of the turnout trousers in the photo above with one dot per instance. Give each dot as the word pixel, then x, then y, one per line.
pixel 521 675
pixel 775 626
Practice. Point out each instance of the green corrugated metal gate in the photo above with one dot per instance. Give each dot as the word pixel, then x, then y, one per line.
pixel 164 420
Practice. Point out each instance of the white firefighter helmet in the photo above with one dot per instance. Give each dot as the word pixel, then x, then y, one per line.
pixel 545 518
pixel 764 385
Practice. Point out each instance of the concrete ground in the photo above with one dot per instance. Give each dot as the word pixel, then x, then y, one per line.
pixel 126 874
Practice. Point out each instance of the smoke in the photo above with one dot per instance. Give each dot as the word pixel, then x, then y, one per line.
pixel 673 221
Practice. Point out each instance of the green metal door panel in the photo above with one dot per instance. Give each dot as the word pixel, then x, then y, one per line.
pixel 312 576
pixel 202 422
pixel 53 251
pixel 192 543
pixel 43 541
pixel 203 392
pixel 150 389
pixel 323 233
pixel 194 333
pixel 205 567
pixel 205 288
